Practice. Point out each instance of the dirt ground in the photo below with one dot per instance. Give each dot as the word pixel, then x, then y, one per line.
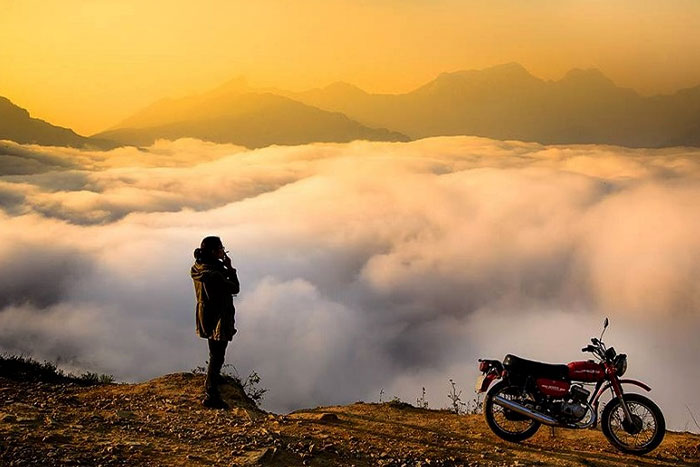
pixel 160 422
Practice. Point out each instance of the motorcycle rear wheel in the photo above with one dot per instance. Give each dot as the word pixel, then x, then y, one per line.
pixel 503 422
pixel 647 430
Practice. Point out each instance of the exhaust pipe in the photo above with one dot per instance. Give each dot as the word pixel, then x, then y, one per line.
pixel 522 410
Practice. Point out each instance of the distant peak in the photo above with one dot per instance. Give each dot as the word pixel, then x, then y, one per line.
pixel 237 84
pixel 342 86
pixel 6 105
pixel 588 75
pixel 507 68
pixel 512 69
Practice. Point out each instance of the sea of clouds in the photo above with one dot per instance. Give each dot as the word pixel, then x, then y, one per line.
pixel 364 266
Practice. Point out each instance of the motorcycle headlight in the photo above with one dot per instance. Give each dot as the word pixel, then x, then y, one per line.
pixel 621 364
pixel 610 353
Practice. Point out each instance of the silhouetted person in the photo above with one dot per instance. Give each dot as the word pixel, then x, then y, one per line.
pixel 215 284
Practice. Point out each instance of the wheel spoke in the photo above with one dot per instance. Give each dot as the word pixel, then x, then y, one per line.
pixel 640 414
pixel 500 416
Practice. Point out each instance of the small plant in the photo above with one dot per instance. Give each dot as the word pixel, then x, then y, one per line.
pixel 693 417
pixel 421 403
pixel 251 388
pixel 397 403
pixel 474 406
pixel 455 399
pixel 24 368
pixel 91 378
pixel 250 385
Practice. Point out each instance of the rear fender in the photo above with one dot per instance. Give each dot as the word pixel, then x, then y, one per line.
pixel 489 378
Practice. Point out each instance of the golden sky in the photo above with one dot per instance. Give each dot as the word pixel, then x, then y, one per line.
pixel 87 64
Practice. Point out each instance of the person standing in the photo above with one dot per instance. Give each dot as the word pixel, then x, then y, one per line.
pixel 215 284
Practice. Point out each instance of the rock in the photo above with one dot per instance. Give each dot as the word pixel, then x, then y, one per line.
pixel 261 456
pixel 27 420
pixel 328 417
pixel 56 438
pixel 125 414
pixel 136 443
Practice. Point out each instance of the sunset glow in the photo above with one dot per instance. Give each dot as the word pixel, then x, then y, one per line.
pixel 376 194
pixel 89 64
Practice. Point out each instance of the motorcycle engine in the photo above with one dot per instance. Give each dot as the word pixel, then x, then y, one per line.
pixel 578 394
pixel 574 409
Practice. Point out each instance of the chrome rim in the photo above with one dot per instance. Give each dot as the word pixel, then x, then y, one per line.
pixel 643 436
pixel 499 414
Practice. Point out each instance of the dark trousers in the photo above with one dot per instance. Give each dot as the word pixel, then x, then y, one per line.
pixel 217 353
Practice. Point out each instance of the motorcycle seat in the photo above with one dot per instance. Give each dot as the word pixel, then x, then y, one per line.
pixel 523 366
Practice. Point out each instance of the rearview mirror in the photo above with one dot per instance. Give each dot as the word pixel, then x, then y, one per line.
pixel 605 326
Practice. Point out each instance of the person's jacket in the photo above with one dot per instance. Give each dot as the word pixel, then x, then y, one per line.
pixel 214 286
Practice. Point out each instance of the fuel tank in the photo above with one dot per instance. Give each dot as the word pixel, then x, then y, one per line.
pixel 587 371
pixel 553 387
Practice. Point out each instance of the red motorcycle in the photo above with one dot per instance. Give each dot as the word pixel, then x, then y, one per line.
pixel 532 393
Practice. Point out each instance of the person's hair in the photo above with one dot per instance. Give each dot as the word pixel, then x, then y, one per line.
pixel 204 252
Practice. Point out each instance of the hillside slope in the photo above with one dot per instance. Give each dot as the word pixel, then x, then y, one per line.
pixel 17 125
pixel 160 422
pixel 250 119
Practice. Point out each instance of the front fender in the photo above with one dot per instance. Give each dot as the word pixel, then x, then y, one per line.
pixel 635 383
pixel 608 385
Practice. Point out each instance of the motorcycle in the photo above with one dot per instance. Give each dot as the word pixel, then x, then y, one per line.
pixel 532 393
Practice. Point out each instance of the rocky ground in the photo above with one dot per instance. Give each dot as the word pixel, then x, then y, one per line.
pixel 160 422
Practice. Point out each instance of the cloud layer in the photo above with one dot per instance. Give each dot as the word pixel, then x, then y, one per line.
pixel 363 266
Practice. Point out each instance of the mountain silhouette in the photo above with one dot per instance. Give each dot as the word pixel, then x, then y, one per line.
pixel 501 102
pixel 507 102
pixel 17 125
pixel 234 114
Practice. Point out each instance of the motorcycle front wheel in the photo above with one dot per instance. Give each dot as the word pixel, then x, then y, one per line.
pixel 645 431
pixel 505 423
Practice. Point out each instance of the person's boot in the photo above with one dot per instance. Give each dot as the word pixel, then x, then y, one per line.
pixel 219 379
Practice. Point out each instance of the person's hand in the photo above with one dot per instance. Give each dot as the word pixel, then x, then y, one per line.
pixel 227 261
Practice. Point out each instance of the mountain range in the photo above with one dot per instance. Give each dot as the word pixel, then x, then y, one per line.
pixel 252 119
pixel 507 102
pixel 501 102
pixel 17 125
